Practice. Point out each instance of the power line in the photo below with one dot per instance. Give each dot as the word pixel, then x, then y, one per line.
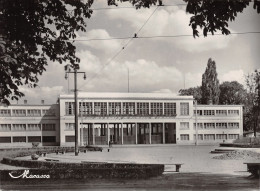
pixel 119 52
pixel 163 36
pixel 132 7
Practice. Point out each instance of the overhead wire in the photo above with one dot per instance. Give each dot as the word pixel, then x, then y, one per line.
pixel 163 36
pixel 121 49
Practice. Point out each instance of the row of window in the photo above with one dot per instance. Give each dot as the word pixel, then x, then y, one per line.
pixel 30 127
pixel 222 125
pixel 28 139
pixel 186 137
pixel 28 112
pixel 126 108
pixel 216 112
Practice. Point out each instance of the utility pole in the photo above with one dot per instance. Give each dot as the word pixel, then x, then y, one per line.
pixel 128 78
pixel 76 68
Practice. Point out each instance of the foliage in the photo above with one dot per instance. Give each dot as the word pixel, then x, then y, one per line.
pixel 252 101
pixel 231 93
pixel 210 84
pixel 29 29
pixel 214 15
pixel 195 92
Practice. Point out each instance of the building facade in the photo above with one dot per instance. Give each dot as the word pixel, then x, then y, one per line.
pixel 121 118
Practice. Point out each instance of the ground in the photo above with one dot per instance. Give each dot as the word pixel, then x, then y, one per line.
pixel 199 172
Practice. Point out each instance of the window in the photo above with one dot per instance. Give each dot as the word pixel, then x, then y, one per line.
pixel 170 109
pixel 157 108
pixel 209 125
pixel 209 112
pixel 156 128
pixel 100 108
pixel 19 127
pixel 5 127
pixel 200 136
pixel 184 108
pixel 33 127
pixel 221 136
pixel 48 127
pixel 200 125
pixel 233 112
pixel 49 139
pixel 32 139
pixel 199 112
pixel 233 125
pixel 34 112
pixel 69 108
pixel 19 139
pixel 128 108
pixel 233 136
pixel 19 112
pixel 85 108
pixel 49 112
pixel 185 137
pixel 5 112
pixel 143 108
pixel 69 126
pixel 184 125
pixel 221 125
pixel 102 130
pixel 70 139
pixel 115 108
pixel 5 139
pixel 221 112
pixel 209 137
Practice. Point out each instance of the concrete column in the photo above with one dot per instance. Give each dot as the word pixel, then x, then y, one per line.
pixel 163 108
pixel 93 133
pixel 136 133
pixel 87 136
pixel 163 127
pixel 122 134
pixel 150 133
pixel 81 137
pixel 93 108
pixel 108 134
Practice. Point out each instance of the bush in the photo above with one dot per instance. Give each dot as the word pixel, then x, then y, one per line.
pixel 35 144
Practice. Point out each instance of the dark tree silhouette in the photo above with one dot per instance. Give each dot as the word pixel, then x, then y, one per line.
pixel 210 84
pixel 231 93
pixel 195 92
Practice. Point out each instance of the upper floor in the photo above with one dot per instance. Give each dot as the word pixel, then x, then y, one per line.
pixel 127 104
pixel 24 110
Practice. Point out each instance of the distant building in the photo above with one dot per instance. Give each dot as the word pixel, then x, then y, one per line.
pixel 121 118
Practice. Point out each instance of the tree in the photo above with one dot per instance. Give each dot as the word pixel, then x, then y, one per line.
pixel 231 93
pixel 195 92
pixel 28 29
pixel 252 101
pixel 214 15
pixel 28 35
pixel 210 84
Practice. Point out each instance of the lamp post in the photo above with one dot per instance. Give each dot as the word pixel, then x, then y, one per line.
pixel 75 72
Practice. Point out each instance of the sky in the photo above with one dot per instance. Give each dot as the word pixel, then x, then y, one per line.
pixel 163 65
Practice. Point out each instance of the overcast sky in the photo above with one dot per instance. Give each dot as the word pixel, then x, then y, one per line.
pixel 154 64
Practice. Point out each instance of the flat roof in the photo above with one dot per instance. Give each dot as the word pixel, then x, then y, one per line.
pixel 200 105
pixel 110 95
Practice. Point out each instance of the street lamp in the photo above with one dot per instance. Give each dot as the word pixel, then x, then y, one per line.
pixel 75 72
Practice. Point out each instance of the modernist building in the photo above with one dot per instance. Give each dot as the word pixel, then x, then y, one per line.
pixel 121 118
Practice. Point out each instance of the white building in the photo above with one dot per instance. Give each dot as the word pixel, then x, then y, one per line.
pixel 122 118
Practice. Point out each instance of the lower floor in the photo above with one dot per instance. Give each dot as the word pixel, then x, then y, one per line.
pixel 145 133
